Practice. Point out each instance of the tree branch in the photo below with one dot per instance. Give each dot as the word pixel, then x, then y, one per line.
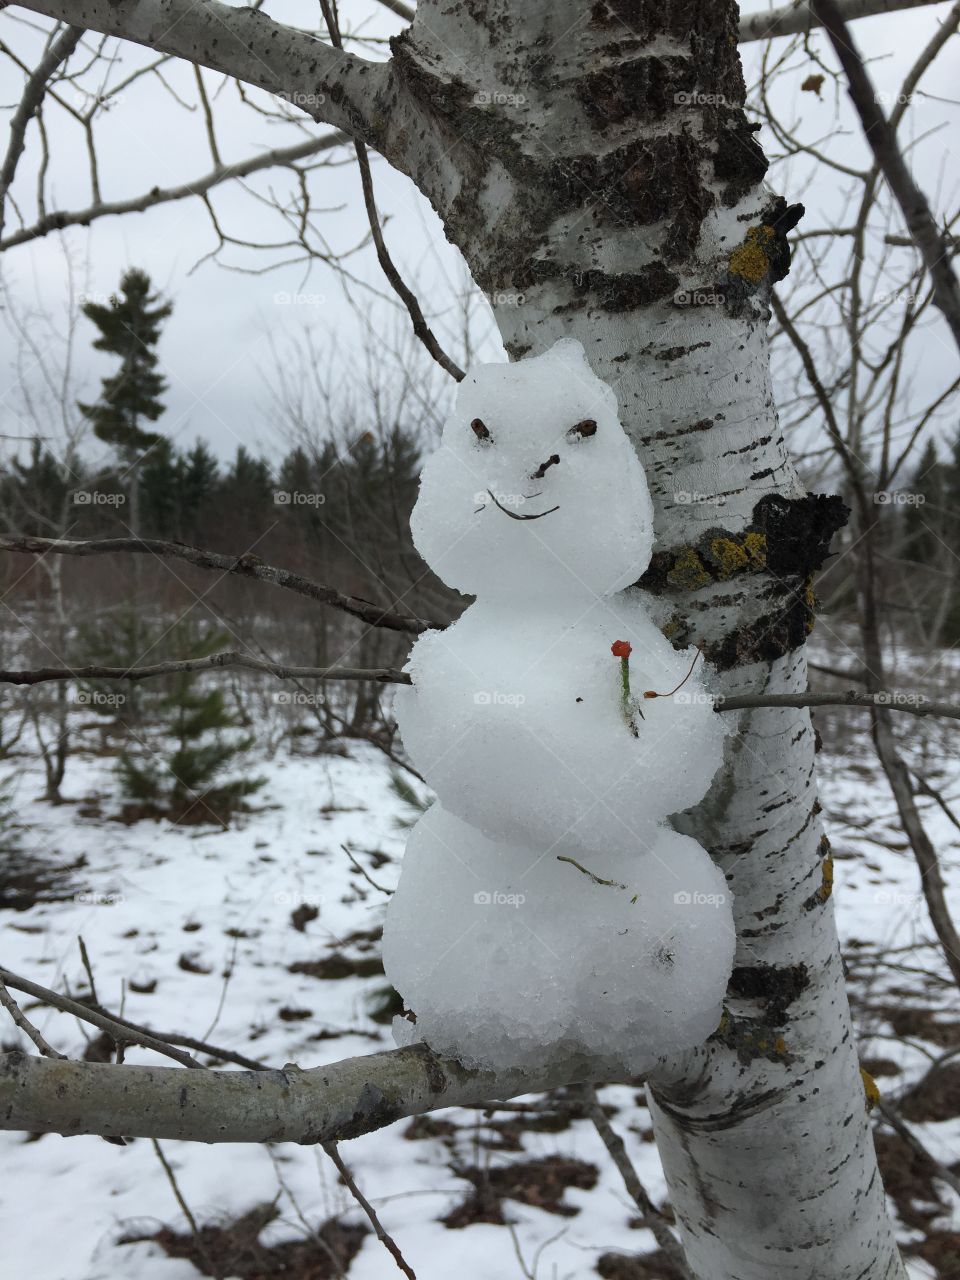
pixel 882 139
pixel 330 85
pixel 33 94
pixel 914 704
pixel 214 661
pixel 246 566
pixel 323 1104
pixel 279 157
pixel 797 18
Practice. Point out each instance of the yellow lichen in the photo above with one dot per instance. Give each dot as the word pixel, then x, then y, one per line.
pixel 780 1045
pixel 688 571
pixel 870 1089
pixel 755 545
pixel 749 260
pixel 729 555
pixel 810 600
pixel 826 884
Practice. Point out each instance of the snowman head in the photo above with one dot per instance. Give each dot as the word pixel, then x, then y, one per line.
pixel 535 489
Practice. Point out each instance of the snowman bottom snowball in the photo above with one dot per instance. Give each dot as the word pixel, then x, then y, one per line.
pixel 511 956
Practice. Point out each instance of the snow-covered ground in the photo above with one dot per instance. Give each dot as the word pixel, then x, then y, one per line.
pixel 191 928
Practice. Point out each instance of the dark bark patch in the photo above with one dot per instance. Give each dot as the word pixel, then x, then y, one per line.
pixel 638 88
pixel 775 986
pixel 738 159
pixel 647 181
pixel 620 292
pixel 799 531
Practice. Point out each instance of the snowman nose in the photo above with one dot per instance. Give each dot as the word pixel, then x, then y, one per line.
pixel 541 471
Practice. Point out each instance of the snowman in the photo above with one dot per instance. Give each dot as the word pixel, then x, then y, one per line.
pixel 546 908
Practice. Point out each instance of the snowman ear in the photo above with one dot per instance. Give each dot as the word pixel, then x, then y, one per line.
pixel 583 430
pixel 479 429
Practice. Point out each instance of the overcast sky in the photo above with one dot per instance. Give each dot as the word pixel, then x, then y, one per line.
pixel 217 348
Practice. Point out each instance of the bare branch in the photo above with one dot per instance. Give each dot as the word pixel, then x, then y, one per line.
pixel 279 157
pixel 914 704
pixel 247 566
pixel 324 1104
pixel 121 1032
pixel 882 139
pixel 797 18
pixel 36 87
pixel 382 1234
pixel 25 1025
pixel 652 1218
pixel 84 1012
pixel 387 265
pixel 214 661
pixel 332 86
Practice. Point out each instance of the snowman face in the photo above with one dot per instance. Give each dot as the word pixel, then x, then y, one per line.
pixel 535 489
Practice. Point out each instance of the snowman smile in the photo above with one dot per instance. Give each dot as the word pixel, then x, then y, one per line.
pixel 515 515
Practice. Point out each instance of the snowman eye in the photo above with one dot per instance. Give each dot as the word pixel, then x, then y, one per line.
pixel 583 430
pixel 479 429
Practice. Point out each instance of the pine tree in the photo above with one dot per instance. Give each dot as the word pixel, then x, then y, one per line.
pixel 925 519
pixel 35 492
pixel 183 781
pixel 200 477
pixel 129 329
pixel 161 492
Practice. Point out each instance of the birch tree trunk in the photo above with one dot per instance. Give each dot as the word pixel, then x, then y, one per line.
pixel 594 166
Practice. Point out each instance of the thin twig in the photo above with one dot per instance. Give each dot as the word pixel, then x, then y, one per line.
pixel 369 879
pixel 121 1031
pixel 382 1234
pixel 653 1219
pixel 397 283
pixel 25 1025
